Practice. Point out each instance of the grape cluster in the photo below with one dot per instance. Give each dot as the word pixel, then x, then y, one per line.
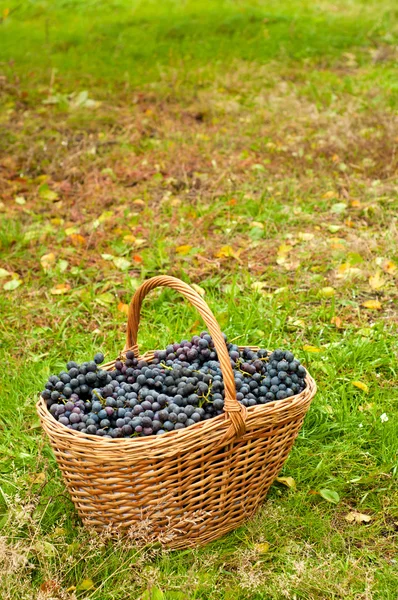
pixel 180 386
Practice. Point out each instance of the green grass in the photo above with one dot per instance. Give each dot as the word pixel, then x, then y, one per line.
pixel 233 144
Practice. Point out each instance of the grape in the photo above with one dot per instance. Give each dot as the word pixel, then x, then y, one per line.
pixel 181 386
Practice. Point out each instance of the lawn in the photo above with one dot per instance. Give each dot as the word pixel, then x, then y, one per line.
pixel 250 148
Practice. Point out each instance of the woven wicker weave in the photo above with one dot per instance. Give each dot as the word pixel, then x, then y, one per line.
pixel 188 486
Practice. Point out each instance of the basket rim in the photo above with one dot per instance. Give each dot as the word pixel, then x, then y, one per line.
pixel 158 441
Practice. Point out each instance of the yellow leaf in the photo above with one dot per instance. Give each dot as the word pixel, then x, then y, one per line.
pixel 305 236
pixel 48 261
pixel 140 242
pixel 337 243
pixel 61 288
pixel 123 308
pixel 337 322
pixel 327 292
pixel 335 158
pixel 39 478
pixel 86 584
pixel 77 239
pixel 20 200
pixel 389 266
pixel 330 194
pixel 71 588
pixel 376 282
pixel 129 238
pixel 287 481
pixel 70 230
pixel 257 224
pixel 362 386
pixel 228 251
pixel 313 349
pixel 183 250
pixel 356 517
pixel 284 249
pixel 355 203
pixel 139 202
pixel 258 285
pixel 372 304
pixel 262 548
pixel 198 289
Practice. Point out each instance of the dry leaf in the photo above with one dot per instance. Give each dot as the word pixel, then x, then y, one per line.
pixel 287 481
pixel 313 349
pixel 137 258
pixel 70 230
pixel 257 224
pixel 283 251
pixel 4 273
pixel 372 304
pixel 355 203
pixel 139 202
pixel 376 282
pixel 329 195
pixel 337 243
pixel 61 288
pixel 129 238
pixel 305 236
pixel 228 251
pixel 337 322
pixel 357 517
pixel 77 239
pixel 389 266
pixel 123 308
pixel 327 292
pixel 362 386
pixel 335 158
pixel 183 250
pixel 121 263
pixel 262 548
pixel 39 478
pixel 48 261
pixel 20 200
pixel 258 285
pixel 198 289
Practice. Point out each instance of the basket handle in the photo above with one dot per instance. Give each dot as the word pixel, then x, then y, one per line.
pixel 235 411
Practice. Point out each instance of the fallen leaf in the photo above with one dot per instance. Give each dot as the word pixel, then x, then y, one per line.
pixel 105 299
pixel 258 285
pixel 329 194
pixel 327 292
pixel 314 349
pixel 46 194
pixel 257 224
pixel 86 584
pixel 39 478
pixel 48 261
pixel 20 200
pixel 338 208
pixel 183 250
pixel 137 258
pixel 228 251
pixel 334 228
pixel 4 273
pixel 330 495
pixel 337 243
pixel 139 202
pixel 70 230
pixel 389 266
pixel 362 386
pixel 49 586
pixel 282 253
pixel 123 308
pixel 45 548
pixel 376 282
pixel 355 203
pixel 372 304
pixel 368 406
pixel 337 322
pixel 335 158
pixel 12 285
pixel 61 288
pixel 305 236
pixel 77 239
pixel 357 517
pixel 287 481
pixel 107 256
pixel 129 238
pixel 140 242
pixel 262 548
pixel 198 289
pixel 121 263
pixel 62 265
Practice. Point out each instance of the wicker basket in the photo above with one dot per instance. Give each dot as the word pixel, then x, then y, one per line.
pixel 185 487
